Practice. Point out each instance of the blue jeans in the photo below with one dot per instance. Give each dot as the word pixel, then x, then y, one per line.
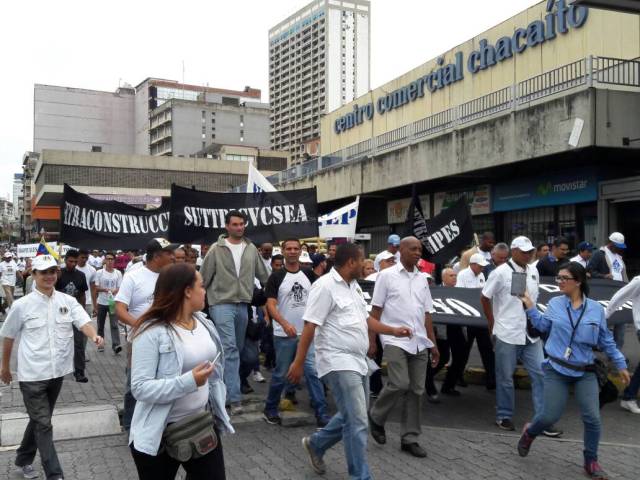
pixel 230 320
pixel 285 353
pixel 249 359
pixel 507 356
pixel 631 392
pixel 556 391
pixel 350 391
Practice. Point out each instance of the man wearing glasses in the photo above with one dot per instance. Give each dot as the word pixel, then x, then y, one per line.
pixel 44 319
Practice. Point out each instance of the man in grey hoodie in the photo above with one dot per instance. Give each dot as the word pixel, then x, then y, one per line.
pixel 228 273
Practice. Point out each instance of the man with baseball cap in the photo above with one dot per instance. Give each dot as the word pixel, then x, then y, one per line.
pixel 393 247
pixel 44 319
pixel 508 323
pixel 472 276
pixel 8 275
pixel 135 297
pixel 385 259
pixel 585 250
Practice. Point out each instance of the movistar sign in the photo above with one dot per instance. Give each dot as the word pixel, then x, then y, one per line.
pixel 559 19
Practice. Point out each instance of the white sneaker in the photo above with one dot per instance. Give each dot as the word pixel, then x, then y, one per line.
pixel 29 472
pixel 257 377
pixel 630 405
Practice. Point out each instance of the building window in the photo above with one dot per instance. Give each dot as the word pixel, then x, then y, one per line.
pixel 204 115
pixel 204 135
pixel 213 135
pixel 204 129
pixel 96 148
pixel 204 145
pixel 242 135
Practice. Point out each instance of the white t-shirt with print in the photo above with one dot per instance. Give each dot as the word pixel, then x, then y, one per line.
pixel 111 280
pixel 8 271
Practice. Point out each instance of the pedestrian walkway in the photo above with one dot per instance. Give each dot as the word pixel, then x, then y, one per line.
pixel 260 451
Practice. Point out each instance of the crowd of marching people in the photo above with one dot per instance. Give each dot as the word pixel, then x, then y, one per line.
pixel 194 324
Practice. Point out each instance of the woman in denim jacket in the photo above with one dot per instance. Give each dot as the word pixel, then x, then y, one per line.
pixel 177 371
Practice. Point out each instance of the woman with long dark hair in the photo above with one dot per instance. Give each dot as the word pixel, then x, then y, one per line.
pixel 576 325
pixel 176 377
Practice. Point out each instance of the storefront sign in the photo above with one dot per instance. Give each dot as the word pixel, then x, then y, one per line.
pixel 486 56
pixel 560 189
pixel 397 209
pixel 478 199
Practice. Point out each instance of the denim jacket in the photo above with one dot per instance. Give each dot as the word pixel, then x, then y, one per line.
pixel 157 381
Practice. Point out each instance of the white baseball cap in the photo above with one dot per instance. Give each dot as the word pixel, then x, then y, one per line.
pixel 8 255
pixel 616 237
pixel 386 255
pixel 522 243
pixel 43 262
pixel 305 258
pixel 479 259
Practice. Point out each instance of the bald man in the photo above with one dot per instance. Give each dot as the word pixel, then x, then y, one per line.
pixel 401 298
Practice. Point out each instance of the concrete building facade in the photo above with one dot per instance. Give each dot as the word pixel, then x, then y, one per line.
pixel 532 121
pixel 18 195
pixel 319 59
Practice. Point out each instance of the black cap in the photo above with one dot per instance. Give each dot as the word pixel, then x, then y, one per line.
pixel 317 259
pixel 158 244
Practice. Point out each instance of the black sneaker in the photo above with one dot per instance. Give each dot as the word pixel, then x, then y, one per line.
pixel 552 432
pixel 117 349
pixel 524 444
pixel 506 424
pixel 80 377
pixel 272 419
pixel 452 392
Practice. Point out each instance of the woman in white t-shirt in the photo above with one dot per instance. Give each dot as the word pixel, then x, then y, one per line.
pixel 176 374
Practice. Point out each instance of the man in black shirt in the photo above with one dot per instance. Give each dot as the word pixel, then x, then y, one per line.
pixel 73 282
pixel 550 265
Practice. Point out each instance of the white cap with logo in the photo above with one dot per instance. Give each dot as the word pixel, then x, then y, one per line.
pixel 479 259
pixel 43 262
pixel 617 239
pixel 522 243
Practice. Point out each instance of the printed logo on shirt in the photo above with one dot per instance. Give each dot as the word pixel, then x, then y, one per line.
pixel 298 293
pixel 63 310
pixel 616 265
pixel 70 289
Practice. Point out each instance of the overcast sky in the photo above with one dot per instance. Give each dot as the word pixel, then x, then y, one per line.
pixel 97 44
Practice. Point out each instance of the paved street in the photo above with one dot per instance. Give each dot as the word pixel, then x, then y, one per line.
pixel 459 435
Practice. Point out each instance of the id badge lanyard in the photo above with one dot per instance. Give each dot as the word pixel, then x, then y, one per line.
pixel 569 351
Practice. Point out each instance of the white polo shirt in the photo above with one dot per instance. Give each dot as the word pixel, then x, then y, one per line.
pixel 340 311
pixel 404 298
pixel 580 260
pixel 510 319
pixel 468 279
pixel 378 259
pixel 45 350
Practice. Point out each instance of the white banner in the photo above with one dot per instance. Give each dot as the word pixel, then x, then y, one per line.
pixel 29 250
pixel 340 223
pixel 256 182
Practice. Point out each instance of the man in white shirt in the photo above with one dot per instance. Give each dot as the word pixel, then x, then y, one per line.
pixel 630 292
pixel 266 252
pixel 43 319
pixel 507 321
pixel 386 260
pixel 8 277
pixel 585 250
pixel 336 313
pixel 401 298
pixel 472 276
pixel 106 284
pixel 393 247
pixel 95 259
pixel 89 273
pixel 134 297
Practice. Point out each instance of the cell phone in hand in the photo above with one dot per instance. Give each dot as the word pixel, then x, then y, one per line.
pixel 518 283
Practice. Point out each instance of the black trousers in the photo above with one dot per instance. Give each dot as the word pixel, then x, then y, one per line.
pixel 79 346
pixel 485 346
pixel 163 467
pixel 103 311
pixel 454 348
pixel 375 381
pixel 40 399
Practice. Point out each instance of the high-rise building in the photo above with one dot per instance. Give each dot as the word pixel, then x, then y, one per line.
pixel 17 195
pixel 158 117
pixel 318 61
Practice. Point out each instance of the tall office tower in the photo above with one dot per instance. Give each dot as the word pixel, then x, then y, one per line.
pixel 318 61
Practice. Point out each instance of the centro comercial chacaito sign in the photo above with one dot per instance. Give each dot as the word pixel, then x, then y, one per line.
pixel 558 21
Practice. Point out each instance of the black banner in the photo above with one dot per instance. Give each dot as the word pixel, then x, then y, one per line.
pixel 107 224
pixel 198 217
pixel 461 306
pixel 443 236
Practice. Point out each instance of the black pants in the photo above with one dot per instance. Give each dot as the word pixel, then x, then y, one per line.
pixel 485 346
pixel 39 399
pixel 163 467
pixel 103 310
pixel 79 346
pixel 454 348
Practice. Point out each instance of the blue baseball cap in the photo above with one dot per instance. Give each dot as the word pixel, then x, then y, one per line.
pixel 582 246
pixel 317 259
pixel 394 240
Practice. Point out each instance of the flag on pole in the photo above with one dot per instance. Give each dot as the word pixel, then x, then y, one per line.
pixel 340 223
pixel 45 249
pixel 256 182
